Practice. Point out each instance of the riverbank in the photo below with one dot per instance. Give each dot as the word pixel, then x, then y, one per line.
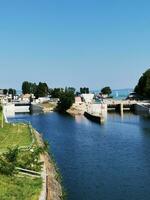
pixel 47 186
pixel 53 188
pixel 91 157
pixel 17 185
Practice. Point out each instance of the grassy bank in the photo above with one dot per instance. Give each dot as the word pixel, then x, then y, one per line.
pixel 14 135
pixel 18 187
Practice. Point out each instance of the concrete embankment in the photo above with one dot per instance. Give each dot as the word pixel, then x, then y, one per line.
pixel 142 108
pixel 52 188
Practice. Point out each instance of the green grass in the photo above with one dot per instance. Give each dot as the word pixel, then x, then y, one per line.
pixel 14 135
pixel 19 188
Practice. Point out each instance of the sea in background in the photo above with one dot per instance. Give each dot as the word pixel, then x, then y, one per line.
pixel 118 93
pixel 121 93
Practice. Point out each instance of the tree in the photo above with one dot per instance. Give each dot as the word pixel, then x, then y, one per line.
pixel 42 90
pixel 56 92
pixel 143 86
pixel 5 91
pixel 84 90
pixel 33 88
pixel 12 92
pixel 106 90
pixel 26 87
pixel 67 98
pixel 70 89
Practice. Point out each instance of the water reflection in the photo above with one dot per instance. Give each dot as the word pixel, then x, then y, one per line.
pixel 109 162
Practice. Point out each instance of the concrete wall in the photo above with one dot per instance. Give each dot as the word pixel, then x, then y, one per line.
pixel 97 109
pixel 87 97
pixel 9 110
pixel 36 108
pixel 141 108
pixel 22 109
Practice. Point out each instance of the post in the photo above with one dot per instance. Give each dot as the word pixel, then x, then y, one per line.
pixel 121 109
pixel 2 125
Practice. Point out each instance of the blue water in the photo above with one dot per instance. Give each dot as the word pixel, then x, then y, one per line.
pixel 118 93
pixel 121 93
pixel 109 162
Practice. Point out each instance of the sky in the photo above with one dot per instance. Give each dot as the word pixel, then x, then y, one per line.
pixel 92 43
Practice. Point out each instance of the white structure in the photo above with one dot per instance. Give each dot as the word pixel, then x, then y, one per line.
pixel 88 98
pixel 9 110
pixel 78 100
pixel 25 98
pixel 43 99
pixel 97 109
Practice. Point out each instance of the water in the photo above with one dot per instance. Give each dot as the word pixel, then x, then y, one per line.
pixel 109 162
pixel 118 94
pixel 121 93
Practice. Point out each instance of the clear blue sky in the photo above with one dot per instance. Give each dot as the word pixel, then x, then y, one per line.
pixel 74 42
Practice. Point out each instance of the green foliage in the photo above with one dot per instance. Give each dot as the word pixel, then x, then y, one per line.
pixel 30 159
pixel 143 86
pixel 56 92
pixel 70 89
pixel 12 91
pixel 26 87
pixel 106 90
pixel 20 188
pixel 6 168
pixel 8 161
pixel 42 90
pixel 46 146
pixel 14 135
pixel 66 100
pixel 11 155
pixel 14 157
pixel 84 90
pixel 5 91
pixel 29 88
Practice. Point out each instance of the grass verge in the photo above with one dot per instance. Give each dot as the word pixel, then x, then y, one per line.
pixel 19 188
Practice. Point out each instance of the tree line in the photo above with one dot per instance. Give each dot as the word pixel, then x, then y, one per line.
pixel 39 90
pixel 9 91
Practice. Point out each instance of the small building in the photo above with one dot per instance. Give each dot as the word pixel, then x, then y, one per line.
pixel 78 100
pixel 25 97
pixel 87 98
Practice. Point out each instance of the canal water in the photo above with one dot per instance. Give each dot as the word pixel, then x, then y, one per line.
pixel 99 162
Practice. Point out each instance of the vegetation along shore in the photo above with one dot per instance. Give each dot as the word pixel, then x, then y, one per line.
pixel 27 171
